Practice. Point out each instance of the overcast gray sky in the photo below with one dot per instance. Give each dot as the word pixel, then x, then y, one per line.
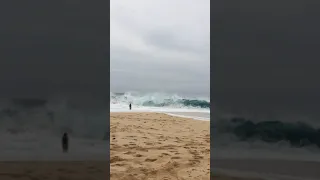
pixel 266 56
pixel 53 47
pixel 160 45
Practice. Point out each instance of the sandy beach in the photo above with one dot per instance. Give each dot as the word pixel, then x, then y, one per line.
pixel 158 146
pixel 44 170
pixel 270 168
pixel 225 177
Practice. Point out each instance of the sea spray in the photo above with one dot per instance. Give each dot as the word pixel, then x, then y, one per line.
pixel 238 129
pixel 159 100
pixel 79 117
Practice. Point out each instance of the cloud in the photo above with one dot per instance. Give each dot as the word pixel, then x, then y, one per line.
pixel 266 56
pixel 53 47
pixel 160 41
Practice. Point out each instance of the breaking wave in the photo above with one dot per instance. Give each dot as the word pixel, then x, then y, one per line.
pixel 295 134
pixel 81 117
pixel 159 100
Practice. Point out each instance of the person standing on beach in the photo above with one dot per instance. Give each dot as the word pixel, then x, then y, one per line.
pixel 130 106
pixel 65 142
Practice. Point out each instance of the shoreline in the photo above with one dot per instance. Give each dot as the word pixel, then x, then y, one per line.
pixel 50 170
pixel 48 148
pixel 157 145
pixel 202 116
pixel 225 176
pixel 269 168
pixel 189 115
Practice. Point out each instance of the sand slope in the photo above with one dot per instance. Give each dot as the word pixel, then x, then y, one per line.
pixel 158 146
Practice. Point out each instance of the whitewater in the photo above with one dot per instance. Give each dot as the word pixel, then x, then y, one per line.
pixel 31 129
pixel 194 107
pixel 272 148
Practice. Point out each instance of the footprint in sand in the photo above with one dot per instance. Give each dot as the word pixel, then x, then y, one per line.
pixel 150 160
pixel 129 152
pixel 116 159
pixel 176 157
pixel 165 154
pixel 123 165
pixel 193 162
pixel 138 155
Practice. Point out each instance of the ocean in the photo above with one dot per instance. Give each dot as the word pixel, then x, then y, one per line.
pixel 270 136
pixel 31 129
pixel 266 146
pixel 195 107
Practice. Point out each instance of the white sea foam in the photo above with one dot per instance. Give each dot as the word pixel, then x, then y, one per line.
pixel 170 104
pixel 43 146
pixel 197 114
pixel 34 133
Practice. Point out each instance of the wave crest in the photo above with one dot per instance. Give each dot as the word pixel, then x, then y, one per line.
pixel 158 100
pixel 297 134
pixel 79 117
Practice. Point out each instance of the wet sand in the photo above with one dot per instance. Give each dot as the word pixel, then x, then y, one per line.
pixel 158 146
pixel 204 115
pixel 46 170
pixel 218 176
pixel 263 168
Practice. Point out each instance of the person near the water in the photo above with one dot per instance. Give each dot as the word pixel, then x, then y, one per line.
pixel 65 142
pixel 130 106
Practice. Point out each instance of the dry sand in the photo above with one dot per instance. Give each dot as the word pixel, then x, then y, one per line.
pixel 149 146
pixel 88 170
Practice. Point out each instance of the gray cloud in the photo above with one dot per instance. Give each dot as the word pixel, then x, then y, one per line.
pixel 266 56
pixel 53 47
pixel 160 46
